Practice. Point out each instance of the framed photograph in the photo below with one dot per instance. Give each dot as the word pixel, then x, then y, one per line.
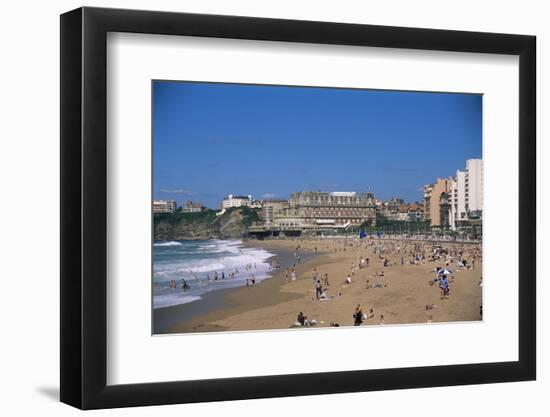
pixel 259 208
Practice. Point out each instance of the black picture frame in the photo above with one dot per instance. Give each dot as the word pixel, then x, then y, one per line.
pixel 84 207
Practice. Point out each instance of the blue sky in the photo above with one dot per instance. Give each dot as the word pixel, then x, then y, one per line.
pixel 210 140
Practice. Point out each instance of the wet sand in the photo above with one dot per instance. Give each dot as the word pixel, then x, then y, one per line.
pixel 402 296
pixel 197 316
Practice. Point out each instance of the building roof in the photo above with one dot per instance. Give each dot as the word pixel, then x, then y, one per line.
pixel 242 197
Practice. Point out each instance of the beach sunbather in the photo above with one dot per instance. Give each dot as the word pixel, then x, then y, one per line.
pixel 301 319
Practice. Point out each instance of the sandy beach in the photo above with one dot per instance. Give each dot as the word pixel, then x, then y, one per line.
pixel 398 293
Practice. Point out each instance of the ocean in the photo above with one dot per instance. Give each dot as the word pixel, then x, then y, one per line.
pixel 199 263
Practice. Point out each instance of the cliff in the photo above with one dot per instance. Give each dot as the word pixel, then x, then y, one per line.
pixel 204 225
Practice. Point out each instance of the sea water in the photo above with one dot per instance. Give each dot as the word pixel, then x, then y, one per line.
pixel 197 262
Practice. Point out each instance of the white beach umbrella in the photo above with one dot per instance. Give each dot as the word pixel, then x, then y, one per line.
pixel 444 271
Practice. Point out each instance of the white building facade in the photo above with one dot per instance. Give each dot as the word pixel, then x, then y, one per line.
pixel 236 201
pixel 164 206
pixel 191 207
pixel 467 195
pixel 474 186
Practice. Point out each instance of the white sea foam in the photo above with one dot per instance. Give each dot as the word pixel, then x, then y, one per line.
pixel 199 264
pixel 168 244
pixel 168 300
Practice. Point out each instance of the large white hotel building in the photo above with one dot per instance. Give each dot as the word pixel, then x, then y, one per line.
pixel 456 202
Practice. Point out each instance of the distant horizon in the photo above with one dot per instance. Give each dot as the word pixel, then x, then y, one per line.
pixel 215 139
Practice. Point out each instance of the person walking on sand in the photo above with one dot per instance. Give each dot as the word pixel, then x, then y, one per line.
pixel 444 286
pixel 358 316
pixel 293 275
pixel 318 289
pixel 325 282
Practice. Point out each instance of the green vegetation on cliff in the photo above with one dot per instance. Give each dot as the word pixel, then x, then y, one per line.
pixel 248 214
pixel 178 217
pixel 204 225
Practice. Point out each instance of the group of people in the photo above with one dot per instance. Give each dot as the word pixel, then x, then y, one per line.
pixel 359 316
pixel 231 275
pixel 381 255
pixel 320 287
pixel 302 321
pixel 184 285
pixel 290 274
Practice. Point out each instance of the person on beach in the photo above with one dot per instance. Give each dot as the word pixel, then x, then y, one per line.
pixel 325 281
pixel 444 286
pixel 293 275
pixel 318 289
pixel 324 296
pixel 348 279
pixel 358 316
pixel 301 319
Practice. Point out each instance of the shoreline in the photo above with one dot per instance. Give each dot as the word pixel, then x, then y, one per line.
pixel 214 304
pixel 400 296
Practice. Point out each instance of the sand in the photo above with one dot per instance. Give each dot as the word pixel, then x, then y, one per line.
pixel 402 297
